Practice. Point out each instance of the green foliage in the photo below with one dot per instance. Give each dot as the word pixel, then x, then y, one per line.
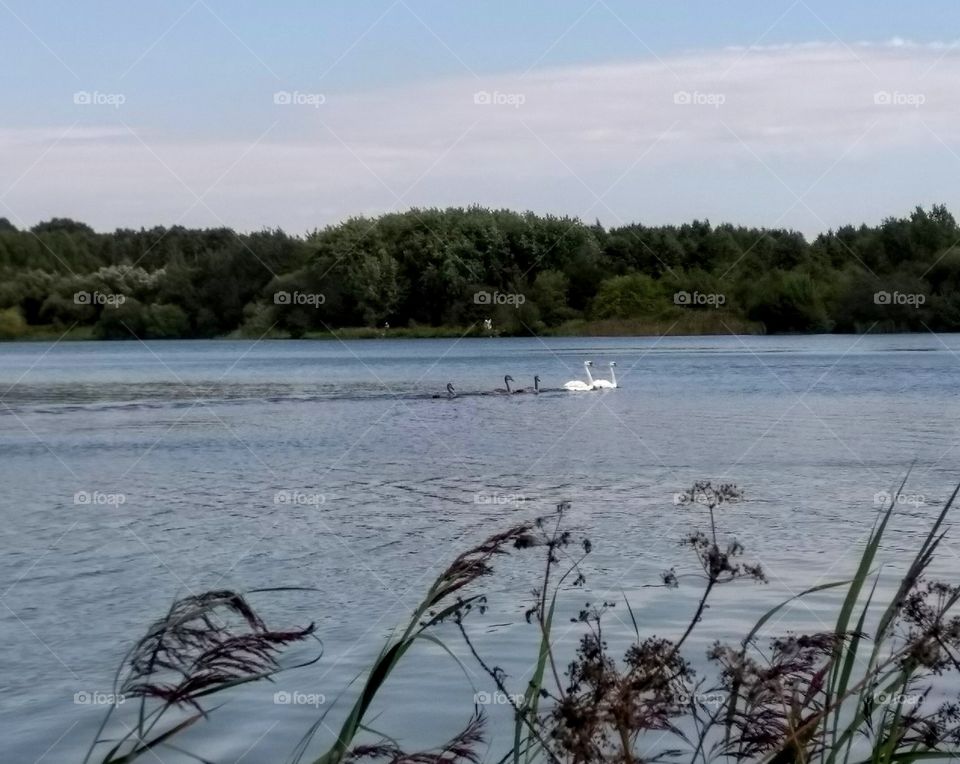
pixel 788 302
pixel 424 267
pixel 629 297
pixel 134 319
pixel 549 293
pixel 12 324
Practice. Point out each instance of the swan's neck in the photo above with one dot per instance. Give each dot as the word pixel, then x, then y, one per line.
pixel 613 376
pixel 507 383
pixel 589 375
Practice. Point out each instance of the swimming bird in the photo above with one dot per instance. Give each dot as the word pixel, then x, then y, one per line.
pixel 535 389
pixel 506 381
pixel 451 393
pixel 606 384
pixel 578 386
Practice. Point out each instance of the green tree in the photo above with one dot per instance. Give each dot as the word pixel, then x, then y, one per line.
pixel 633 296
pixel 788 302
pixel 549 293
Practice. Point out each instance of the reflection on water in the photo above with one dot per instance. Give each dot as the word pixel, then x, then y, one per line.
pixel 329 465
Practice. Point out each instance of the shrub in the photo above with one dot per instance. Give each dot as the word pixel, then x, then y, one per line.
pixel 12 324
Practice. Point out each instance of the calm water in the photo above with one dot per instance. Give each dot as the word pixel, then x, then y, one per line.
pixel 199 437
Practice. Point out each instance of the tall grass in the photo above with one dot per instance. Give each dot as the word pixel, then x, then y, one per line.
pixel 854 694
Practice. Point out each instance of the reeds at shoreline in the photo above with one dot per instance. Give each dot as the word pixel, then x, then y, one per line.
pixel 853 693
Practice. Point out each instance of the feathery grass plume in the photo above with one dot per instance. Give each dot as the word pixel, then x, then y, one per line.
pixel 840 695
pixel 476 562
pixel 462 748
pixel 778 693
pixel 205 644
pixel 193 651
pixel 547 533
pixel 442 601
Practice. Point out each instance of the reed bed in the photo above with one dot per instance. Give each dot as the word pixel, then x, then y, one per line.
pixel 852 694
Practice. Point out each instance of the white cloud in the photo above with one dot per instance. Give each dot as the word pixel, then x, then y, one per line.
pixel 41 138
pixel 734 134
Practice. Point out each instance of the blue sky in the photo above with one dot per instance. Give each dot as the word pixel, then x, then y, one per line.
pixel 200 138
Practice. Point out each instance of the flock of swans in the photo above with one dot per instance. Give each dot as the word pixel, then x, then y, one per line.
pixel 573 386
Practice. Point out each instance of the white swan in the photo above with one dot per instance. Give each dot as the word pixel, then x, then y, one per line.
pixel 605 384
pixel 576 385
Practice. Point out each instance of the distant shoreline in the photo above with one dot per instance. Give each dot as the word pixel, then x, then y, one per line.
pixel 472 271
pixel 596 329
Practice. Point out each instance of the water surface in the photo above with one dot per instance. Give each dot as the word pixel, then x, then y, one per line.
pixel 386 484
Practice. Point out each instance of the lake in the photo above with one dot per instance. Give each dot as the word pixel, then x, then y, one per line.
pixel 134 473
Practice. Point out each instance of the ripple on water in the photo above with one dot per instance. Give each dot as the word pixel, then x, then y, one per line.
pixel 408 481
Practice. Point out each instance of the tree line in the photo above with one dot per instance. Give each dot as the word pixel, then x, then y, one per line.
pixel 478 270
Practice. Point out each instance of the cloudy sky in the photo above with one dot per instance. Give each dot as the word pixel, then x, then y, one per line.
pixel 299 114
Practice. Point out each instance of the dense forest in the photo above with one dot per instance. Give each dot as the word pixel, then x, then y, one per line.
pixel 478 271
